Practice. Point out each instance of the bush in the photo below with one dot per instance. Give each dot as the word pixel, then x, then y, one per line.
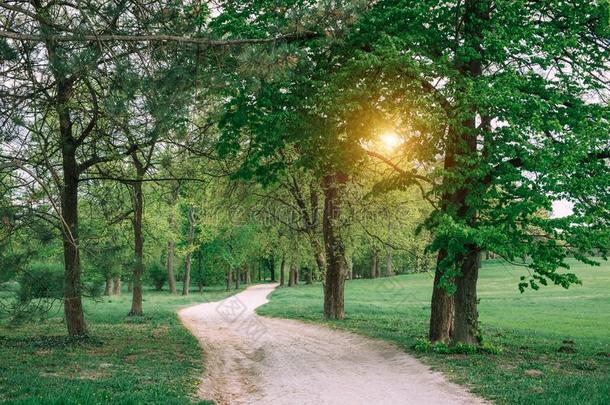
pixel 41 280
pixel 157 275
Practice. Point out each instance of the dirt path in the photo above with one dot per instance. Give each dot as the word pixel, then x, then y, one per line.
pixel 257 360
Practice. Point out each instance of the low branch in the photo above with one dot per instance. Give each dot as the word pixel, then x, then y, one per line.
pixel 156 38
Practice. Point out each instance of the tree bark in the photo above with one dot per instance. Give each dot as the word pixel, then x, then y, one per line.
pixel 248 275
pixel 237 278
pixel 375 264
pixel 272 269
pixel 296 275
pixel 186 281
pixel 171 278
pixel 466 329
pixel 116 286
pixel 108 287
pixel 138 268
pixel 283 271
pixel 389 264
pixel 336 264
pixel 229 280
pixel 73 306
pixel 291 276
pixel 318 253
pixel 466 324
pixel 309 279
pixel 442 308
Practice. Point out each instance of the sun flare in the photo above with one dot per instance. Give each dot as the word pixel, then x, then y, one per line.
pixel 390 140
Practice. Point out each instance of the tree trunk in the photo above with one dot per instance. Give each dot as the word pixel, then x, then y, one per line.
pixel 389 264
pixel 318 253
pixel 186 281
pixel 476 13
pixel 272 269
pixel 283 271
pixel 138 268
pixel 171 278
pixel 229 280
pixel 442 308
pixel 73 306
pixel 375 273
pixel 248 275
pixel 336 264
pixel 116 286
pixel 108 288
pixel 237 278
pixel 171 244
pixel 291 276
pixel 297 270
pixel 466 324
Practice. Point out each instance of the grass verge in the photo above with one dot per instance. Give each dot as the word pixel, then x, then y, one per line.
pixel 152 359
pixel 554 344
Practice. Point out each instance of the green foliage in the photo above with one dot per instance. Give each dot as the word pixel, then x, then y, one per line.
pixel 156 274
pixel 41 280
pixel 425 346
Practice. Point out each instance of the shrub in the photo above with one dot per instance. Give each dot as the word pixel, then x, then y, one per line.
pixel 41 280
pixel 157 275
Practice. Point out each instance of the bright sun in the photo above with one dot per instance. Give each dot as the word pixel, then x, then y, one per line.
pixel 390 140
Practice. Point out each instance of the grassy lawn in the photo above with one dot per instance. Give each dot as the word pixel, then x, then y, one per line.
pixel 126 361
pixel 555 342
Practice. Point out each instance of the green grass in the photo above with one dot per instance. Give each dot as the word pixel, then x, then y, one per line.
pixel 530 328
pixel 153 359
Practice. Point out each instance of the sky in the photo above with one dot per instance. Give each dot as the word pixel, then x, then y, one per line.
pixel 561 208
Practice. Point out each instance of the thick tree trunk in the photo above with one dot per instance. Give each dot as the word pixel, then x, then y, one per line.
pixel 186 280
pixel 389 270
pixel 296 275
pixel 108 287
pixel 73 306
pixel 237 278
pixel 442 308
pixel 466 324
pixel 116 286
pixel 291 276
pixel 171 278
pixel 375 273
pixel 466 329
pixel 138 268
pixel 336 264
pixel 283 271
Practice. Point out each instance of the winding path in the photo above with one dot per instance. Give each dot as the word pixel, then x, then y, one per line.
pixel 257 360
